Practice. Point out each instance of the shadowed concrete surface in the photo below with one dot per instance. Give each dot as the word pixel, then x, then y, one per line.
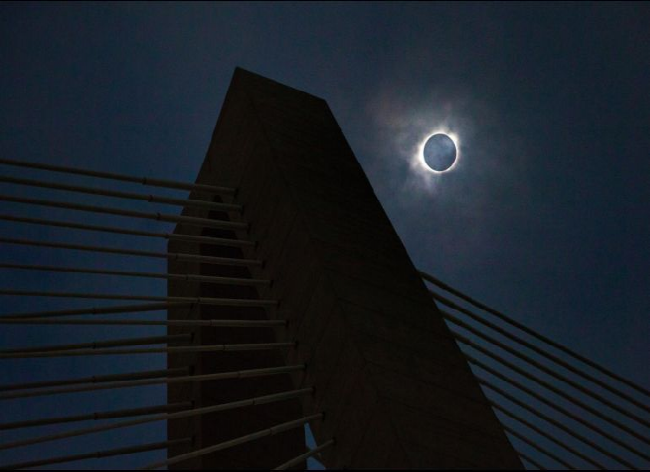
pixel 392 383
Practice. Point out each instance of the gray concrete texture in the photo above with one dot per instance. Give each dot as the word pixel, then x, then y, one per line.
pixel 392 383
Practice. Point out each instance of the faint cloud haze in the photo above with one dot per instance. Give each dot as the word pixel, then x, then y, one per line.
pixel 463 210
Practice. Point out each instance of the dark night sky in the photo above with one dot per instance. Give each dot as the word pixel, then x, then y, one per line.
pixel 545 216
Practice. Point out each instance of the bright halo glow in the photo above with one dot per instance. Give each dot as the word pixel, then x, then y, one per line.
pixel 419 158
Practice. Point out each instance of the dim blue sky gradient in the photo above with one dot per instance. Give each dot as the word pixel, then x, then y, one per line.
pixel 546 216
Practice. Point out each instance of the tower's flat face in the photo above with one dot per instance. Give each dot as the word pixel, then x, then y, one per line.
pixel 394 387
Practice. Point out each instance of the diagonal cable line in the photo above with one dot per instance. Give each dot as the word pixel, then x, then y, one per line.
pixel 243 302
pixel 235 442
pixel 545 434
pixel 97 378
pixel 151 350
pixel 533 333
pixel 122 177
pixel 155 275
pixel 206 323
pixel 303 457
pixel 100 344
pixel 615 439
pixel 99 310
pixel 546 370
pixel 555 423
pixel 124 195
pixel 160 417
pixel 239 374
pixel 563 394
pixel 130 232
pixel 132 252
pixel 537 447
pixel 100 415
pixel 540 351
pixel 186 220
pixel 98 454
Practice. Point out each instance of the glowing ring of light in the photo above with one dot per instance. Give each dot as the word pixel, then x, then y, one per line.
pixel 420 151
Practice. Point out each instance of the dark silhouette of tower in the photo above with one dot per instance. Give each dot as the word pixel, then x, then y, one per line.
pixel 392 385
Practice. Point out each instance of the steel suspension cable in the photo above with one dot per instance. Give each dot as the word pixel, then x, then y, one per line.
pixel 552 388
pixel 155 275
pixel 242 302
pixel 101 415
pixel 121 177
pixel 160 417
pixel 152 350
pixel 97 379
pixel 207 323
pixel 99 344
pixel 240 374
pixel 548 436
pixel 303 457
pixel 530 460
pixel 472 360
pixel 235 442
pixel 132 252
pixel 545 369
pixel 187 220
pixel 125 195
pixel 537 447
pixel 533 333
pixel 98 454
pixel 131 232
pixel 99 311
pixel 542 352
pixel 555 423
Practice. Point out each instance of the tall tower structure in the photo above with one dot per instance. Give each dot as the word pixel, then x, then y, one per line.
pixel 356 331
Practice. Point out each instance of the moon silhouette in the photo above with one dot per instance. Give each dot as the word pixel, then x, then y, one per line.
pixel 440 152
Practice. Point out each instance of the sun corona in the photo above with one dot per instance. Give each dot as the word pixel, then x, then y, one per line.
pixel 439 152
